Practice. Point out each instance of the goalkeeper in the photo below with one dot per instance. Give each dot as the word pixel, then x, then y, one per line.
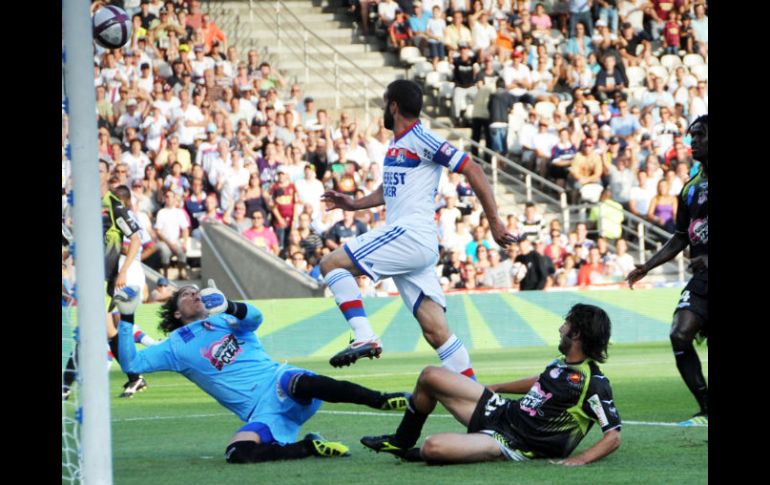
pixel 212 342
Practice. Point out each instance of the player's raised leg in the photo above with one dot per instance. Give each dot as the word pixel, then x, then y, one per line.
pixel 422 293
pixel 339 273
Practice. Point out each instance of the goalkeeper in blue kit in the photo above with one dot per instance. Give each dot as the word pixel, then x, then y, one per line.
pixel 212 342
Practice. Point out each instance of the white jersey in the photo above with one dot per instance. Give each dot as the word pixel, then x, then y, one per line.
pixel 411 171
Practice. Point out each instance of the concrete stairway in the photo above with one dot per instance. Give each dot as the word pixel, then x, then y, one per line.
pixel 289 48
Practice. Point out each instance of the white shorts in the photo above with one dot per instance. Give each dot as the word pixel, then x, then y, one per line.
pixel 392 251
pixel 135 275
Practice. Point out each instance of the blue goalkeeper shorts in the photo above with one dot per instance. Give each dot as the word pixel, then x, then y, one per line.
pixel 281 414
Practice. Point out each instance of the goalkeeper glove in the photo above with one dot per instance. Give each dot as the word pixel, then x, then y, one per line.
pixel 127 299
pixel 213 299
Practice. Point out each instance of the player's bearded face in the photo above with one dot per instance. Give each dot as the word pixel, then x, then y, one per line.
pixel 387 118
pixel 565 344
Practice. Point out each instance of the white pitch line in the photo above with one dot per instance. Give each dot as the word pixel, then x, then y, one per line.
pixel 479 370
pixel 356 413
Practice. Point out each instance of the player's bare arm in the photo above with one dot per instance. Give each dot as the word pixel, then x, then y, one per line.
pixel 483 191
pixel 674 246
pixel 336 200
pixel 133 249
pixel 520 386
pixel 609 443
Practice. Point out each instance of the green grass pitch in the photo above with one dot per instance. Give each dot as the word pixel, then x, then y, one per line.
pixel 173 433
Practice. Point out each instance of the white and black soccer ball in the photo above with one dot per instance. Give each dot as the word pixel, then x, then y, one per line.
pixel 111 27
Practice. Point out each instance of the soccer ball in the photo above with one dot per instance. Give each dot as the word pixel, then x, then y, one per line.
pixel 111 27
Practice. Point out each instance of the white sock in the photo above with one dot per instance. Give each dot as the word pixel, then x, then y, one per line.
pixel 148 341
pixel 348 297
pixel 454 356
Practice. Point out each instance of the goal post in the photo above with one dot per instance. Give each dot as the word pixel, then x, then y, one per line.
pixel 80 103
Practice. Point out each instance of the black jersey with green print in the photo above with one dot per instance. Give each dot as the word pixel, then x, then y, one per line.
pixel 692 217
pixel 560 409
pixel 116 223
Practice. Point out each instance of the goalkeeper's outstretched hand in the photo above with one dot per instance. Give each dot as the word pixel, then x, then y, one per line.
pixel 213 299
pixel 127 299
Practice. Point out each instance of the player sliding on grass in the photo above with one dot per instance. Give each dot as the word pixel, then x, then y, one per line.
pixel 212 342
pixel 558 410
pixel 405 248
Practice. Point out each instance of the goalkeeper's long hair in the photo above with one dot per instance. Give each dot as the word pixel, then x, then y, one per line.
pixel 169 322
pixel 592 325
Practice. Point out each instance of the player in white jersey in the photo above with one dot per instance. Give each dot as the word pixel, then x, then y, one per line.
pixel 406 247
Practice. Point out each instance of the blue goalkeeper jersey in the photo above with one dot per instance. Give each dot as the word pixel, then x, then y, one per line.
pixel 220 354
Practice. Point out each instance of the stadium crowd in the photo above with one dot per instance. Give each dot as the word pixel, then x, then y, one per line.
pixel 201 132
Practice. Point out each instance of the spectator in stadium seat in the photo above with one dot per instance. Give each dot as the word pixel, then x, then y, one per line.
pixel 274 399
pixel 212 34
pixel 342 231
pixel 499 273
pixel 483 33
pixel 531 224
pixel 500 105
pixel 470 280
pixel 621 263
pixel 663 207
pixel 261 235
pixel 173 229
pixel 237 218
pixel 463 76
pixel 435 32
pixel 418 22
pixel 671 33
pixel 457 33
pixel 592 271
pixel 399 32
pixel 580 14
pixel 657 96
pixel 610 79
pixel 536 264
pixel 162 291
pixel 608 215
pixel 284 197
pixel 700 27
pixel 518 78
pixel 562 155
pixel 578 44
pixel 621 181
pixel 544 141
pixel 567 275
pixel 386 13
pixel 586 169
pixel 555 250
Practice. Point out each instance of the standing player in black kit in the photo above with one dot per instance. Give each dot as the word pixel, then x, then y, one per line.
pixel 691 315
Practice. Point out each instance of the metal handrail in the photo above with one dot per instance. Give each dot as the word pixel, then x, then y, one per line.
pixel 543 182
pixel 529 176
pixel 304 31
pixel 639 227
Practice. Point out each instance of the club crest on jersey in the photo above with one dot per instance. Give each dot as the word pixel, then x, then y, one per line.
pixel 699 231
pixel 534 400
pixel 223 351
pixel 575 378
